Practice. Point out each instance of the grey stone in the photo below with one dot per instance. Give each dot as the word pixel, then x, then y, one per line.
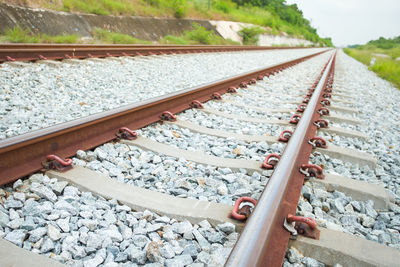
pixel 204 244
pixel 154 227
pixel 140 240
pixel 17 237
pixel 167 251
pixel 64 205
pixel 214 237
pixel 43 191
pixel 19 196
pixel 179 261
pixel 12 203
pixel 64 224
pixel 48 245
pixel 58 187
pixel 310 262
pixel 137 255
pixel 94 240
pixel 338 205
pixel 28 223
pixel 17 184
pixel 191 250
pixel 94 262
pixel 4 219
pixel 53 232
pixel 36 234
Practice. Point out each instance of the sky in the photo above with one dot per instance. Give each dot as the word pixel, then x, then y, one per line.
pixel 352 21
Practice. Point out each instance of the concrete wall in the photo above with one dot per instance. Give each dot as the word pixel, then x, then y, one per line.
pixel 230 29
pixel 54 23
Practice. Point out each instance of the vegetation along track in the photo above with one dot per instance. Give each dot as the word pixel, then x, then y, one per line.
pixel 170 143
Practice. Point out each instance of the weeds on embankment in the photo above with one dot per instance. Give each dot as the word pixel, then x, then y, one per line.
pixel 277 16
pixel 199 35
pixel 387 68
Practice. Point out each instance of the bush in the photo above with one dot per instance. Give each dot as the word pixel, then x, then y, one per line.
pixel 250 35
pixel 179 7
pixel 106 36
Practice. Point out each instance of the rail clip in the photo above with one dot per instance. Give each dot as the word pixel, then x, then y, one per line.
pixel 196 104
pixel 126 133
pixel 295 119
pixel 301 108
pixel 270 161
pixel 321 124
pixel 304 226
pixel 317 141
pixel 312 170
pixel 216 96
pixel 54 162
pixel 242 213
pixel 232 90
pixel 323 111
pixel 168 116
pixel 285 136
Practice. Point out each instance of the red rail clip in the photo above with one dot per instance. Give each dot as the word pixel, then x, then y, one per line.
pixel 238 215
pixel 232 90
pixel 310 221
pixel 252 81
pixel 260 77
pixel 327 95
pixel 325 102
pixel 323 111
pixel 306 100
pixel 168 116
pixel 66 56
pixel 126 133
pixel 312 170
pixel 317 141
pixel 321 123
pixel 216 96
pixel 270 161
pixel 243 85
pixel 301 108
pixel 295 119
pixel 301 225
pixel 54 162
pixel 285 136
pixel 42 57
pixel 196 104
pixel 10 58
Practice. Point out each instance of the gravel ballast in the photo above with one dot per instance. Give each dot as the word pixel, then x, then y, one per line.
pixel 377 103
pixel 52 218
pixel 40 95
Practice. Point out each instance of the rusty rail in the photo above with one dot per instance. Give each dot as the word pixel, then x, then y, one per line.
pixel 263 241
pixel 33 52
pixel 23 154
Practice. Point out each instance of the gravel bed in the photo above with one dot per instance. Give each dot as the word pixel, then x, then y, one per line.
pixel 293 257
pixel 246 112
pixel 183 138
pixel 52 218
pixel 257 100
pixel 338 211
pixel 40 95
pixel 377 103
pixel 174 176
pixel 231 125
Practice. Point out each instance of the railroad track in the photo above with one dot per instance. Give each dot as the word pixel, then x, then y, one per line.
pixel 35 52
pixel 236 125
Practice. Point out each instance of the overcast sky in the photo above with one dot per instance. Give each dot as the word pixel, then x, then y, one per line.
pixel 352 21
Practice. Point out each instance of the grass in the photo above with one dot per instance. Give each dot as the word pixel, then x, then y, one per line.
pixel 199 35
pixel 18 35
pixel 107 37
pixel 386 68
pixel 196 9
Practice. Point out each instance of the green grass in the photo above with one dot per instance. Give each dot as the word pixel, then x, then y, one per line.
pixel 105 36
pixel 250 35
pixel 386 68
pixel 19 35
pixel 270 17
pixel 199 35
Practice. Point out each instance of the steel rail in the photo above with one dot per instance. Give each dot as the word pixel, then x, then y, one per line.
pixel 33 52
pixel 23 154
pixel 263 241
